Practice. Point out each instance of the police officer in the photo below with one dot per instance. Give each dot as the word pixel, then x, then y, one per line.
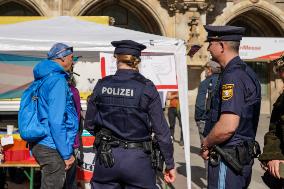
pixel 234 113
pixel 122 113
pixel 272 154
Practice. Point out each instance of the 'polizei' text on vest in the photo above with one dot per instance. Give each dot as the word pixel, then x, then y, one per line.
pixel 117 91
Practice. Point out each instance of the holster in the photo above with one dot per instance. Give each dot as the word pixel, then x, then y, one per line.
pixel 157 158
pixel 105 141
pixel 227 157
pixel 243 152
pixel 103 144
pixel 247 150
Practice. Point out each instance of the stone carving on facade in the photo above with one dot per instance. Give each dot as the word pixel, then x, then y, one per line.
pixel 193 30
pixel 182 6
pixel 194 10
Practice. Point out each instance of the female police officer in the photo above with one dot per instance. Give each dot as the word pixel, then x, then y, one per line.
pixel 122 112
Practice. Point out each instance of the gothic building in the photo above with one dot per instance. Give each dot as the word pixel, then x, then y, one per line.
pixel 182 19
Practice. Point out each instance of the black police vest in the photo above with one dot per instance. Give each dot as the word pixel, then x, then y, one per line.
pixel 119 109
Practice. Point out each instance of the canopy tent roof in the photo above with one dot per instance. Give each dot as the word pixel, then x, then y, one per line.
pixel 83 35
pixel 24 44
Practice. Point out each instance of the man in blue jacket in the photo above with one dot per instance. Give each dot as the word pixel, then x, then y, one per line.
pixel 57 114
pixel 205 93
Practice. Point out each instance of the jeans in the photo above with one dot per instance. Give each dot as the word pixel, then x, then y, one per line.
pixel 200 125
pixel 52 166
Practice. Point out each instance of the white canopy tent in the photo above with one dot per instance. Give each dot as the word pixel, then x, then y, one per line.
pixel 40 35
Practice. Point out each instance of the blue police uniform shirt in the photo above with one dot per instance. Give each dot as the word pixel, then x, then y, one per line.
pixel 240 94
pixel 200 104
pixel 138 119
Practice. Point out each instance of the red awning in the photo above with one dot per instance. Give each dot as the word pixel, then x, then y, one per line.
pixel 271 56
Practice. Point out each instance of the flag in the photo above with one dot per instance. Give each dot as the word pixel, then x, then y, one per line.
pixel 193 50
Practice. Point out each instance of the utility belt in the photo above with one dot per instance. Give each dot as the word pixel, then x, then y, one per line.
pixel 105 141
pixel 235 156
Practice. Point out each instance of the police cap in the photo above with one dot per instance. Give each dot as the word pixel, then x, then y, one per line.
pixel 224 33
pixel 128 47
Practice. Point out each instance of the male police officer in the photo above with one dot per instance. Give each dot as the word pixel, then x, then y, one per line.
pixel 122 112
pixel 234 115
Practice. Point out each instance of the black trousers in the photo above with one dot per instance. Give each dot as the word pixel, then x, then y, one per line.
pixel 172 115
pixel 2 178
pixel 132 170
pixel 71 181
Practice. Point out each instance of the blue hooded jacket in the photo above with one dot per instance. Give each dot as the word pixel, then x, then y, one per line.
pixel 56 109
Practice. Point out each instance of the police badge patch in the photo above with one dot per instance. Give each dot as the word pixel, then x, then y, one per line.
pixel 227 91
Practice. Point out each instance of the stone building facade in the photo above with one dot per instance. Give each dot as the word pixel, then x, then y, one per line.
pixel 182 19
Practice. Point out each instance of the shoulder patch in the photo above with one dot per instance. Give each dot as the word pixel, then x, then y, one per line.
pixel 227 91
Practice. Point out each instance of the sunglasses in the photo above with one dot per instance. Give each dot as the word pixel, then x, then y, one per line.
pixel 76 58
pixel 65 49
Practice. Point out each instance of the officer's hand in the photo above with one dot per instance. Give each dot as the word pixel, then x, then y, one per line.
pixel 170 176
pixel 273 168
pixel 204 154
pixel 69 162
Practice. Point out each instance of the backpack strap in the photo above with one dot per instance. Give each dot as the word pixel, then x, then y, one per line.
pixel 41 82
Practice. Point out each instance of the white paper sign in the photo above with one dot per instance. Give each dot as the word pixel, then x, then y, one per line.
pixel 6 140
pixel 159 69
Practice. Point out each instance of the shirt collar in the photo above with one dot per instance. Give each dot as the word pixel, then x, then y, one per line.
pixel 232 63
pixel 125 71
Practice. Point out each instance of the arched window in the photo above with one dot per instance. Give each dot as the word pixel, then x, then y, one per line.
pixel 257 24
pixel 123 17
pixel 126 15
pixel 16 9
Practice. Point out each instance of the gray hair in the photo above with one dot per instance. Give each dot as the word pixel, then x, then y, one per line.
pixel 234 45
pixel 214 66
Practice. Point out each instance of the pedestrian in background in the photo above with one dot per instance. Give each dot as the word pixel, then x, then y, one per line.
pixel 173 113
pixel 71 180
pixel 122 113
pixel 234 114
pixel 273 156
pixel 205 94
pixel 56 110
